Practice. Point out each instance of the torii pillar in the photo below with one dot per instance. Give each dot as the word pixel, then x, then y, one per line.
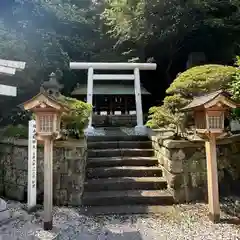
pixel 135 67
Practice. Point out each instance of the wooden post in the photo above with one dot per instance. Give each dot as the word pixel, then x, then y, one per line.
pixel 48 181
pixel 212 177
pixel 90 93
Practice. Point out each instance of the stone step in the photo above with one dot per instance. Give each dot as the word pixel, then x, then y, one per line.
pixel 125 183
pixel 125 171
pixel 108 198
pixel 131 152
pixel 126 209
pixel 117 138
pixel 119 144
pixel 121 161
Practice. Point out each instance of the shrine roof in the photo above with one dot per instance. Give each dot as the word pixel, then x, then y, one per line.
pixel 204 99
pixel 108 89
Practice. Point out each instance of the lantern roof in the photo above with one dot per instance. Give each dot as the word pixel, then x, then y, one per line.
pixel 211 99
pixel 50 100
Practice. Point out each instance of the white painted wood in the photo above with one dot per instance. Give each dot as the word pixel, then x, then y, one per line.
pixel 117 113
pixel 7 70
pixel 113 77
pixel 138 97
pixel 133 112
pixel 113 66
pixel 8 90
pixel 48 182
pixel 103 113
pixel 90 92
pixel 18 65
pixel 32 165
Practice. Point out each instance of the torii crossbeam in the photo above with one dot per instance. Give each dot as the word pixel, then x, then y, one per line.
pixel 8 67
pixel 135 76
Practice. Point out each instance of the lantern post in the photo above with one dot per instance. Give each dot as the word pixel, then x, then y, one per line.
pixel 48 111
pixel 209 112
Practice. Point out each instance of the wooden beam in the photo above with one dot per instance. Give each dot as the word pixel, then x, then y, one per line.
pixel 12 64
pixel 7 70
pixel 113 77
pixel 8 90
pixel 113 66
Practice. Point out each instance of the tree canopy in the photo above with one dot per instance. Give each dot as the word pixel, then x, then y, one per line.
pixel 47 34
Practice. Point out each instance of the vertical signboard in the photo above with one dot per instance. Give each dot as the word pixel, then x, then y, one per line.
pixel 32 165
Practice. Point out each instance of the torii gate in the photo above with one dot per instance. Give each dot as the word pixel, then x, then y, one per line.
pixel 135 67
pixel 8 67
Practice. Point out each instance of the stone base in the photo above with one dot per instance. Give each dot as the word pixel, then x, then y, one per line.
pixel 141 130
pixel 4 212
pixel 89 131
pixel 215 218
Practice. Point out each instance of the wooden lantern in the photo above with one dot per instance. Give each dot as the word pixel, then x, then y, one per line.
pixel 48 112
pixel 210 111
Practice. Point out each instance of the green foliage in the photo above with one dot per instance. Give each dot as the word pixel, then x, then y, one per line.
pixel 15 131
pixel 200 79
pixel 77 119
pixel 193 82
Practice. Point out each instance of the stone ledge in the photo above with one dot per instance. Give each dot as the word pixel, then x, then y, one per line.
pixel 168 143
pixel 78 143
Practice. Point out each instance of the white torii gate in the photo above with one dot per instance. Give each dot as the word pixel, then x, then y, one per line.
pixel 135 67
pixel 8 67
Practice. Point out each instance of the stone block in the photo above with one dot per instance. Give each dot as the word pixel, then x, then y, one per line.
pixel 40 181
pixel 174 181
pixel 15 192
pixel 4 212
pixel 75 198
pixel 60 197
pixel 75 182
pixel 178 155
pixel 10 175
pixel 7 161
pixel 21 177
pixel 19 153
pixel 173 166
pixel 1 188
pixel 63 166
pixel 56 180
pixel 179 195
pixel 76 165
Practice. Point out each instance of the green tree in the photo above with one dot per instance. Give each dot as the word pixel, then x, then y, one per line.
pixel 193 82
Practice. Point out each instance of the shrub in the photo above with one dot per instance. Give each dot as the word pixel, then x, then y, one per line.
pixel 15 131
pixel 77 119
pixel 202 79
pixel 193 82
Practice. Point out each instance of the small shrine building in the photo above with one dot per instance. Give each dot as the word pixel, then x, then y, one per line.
pixel 116 98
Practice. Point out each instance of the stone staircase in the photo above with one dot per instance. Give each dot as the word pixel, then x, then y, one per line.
pixel 123 176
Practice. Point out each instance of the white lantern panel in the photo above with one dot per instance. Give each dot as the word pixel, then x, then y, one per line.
pixel 46 123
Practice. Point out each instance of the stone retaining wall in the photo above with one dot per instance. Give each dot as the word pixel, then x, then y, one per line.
pixel 184 166
pixel 69 159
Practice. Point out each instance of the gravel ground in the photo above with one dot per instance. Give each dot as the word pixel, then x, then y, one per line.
pixel 180 222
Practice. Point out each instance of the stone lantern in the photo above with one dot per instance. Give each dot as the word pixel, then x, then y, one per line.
pixel 209 112
pixel 48 111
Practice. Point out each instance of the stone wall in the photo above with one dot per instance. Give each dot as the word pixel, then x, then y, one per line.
pixel 184 166
pixel 69 159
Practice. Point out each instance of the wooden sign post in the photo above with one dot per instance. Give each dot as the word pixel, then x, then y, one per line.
pixel 48 111
pixel 209 113
pixel 32 166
